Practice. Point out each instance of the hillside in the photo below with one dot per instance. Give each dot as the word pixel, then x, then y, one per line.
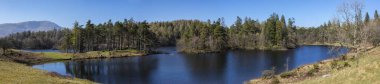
pixel 365 72
pixel 8 28
pixel 15 73
pixel 345 70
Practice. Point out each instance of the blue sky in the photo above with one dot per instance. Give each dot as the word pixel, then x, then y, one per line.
pixel 65 12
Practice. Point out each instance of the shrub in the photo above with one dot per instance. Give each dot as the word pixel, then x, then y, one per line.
pixel 268 74
pixel 346 64
pixel 334 64
pixel 287 74
pixel 344 57
pixel 313 70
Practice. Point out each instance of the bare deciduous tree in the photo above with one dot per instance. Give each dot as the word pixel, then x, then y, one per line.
pixel 351 12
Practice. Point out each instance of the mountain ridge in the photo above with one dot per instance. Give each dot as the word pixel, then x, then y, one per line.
pixel 8 28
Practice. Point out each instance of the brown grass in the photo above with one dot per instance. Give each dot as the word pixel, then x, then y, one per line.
pixel 15 73
pixel 364 69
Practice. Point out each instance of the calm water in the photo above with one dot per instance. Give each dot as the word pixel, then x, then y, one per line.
pixel 230 67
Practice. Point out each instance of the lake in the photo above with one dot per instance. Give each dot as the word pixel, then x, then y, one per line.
pixel 230 67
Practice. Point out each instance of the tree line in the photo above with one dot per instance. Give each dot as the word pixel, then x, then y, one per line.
pixel 343 31
pixel 276 32
pixel 33 40
pixel 118 35
pixel 187 35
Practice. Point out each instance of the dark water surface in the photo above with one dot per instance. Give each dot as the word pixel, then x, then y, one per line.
pixel 230 67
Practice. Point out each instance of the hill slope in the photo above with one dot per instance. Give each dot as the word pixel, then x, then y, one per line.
pixel 367 72
pixel 353 70
pixel 9 28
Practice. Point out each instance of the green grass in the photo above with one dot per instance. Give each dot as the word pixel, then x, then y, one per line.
pixel 15 73
pixel 56 55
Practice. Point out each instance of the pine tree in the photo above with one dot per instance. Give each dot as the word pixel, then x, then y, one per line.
pixel 270 30
pixel 118 31
pixel 292 41
pixel 376 16
pixel 366 19
pixel 77 38
pixel 109 37
pixel 279 32
pixel 67 43
pixel 89 38
pixel 238 25
pixel 218 35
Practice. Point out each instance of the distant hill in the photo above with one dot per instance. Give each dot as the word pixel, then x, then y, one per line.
pixel 9 28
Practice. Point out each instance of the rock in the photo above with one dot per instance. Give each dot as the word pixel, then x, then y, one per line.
pixel 326 75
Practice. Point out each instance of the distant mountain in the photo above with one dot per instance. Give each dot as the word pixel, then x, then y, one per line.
pixel 9 28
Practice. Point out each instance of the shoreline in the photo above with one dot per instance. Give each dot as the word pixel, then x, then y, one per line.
pixel 330 44
pixel 311 71
pixel 93 55
pixel 25 59
pixel 16 72
pixel 32 58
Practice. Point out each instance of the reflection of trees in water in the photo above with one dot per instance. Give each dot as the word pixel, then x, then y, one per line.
pixel 206 67
pixel 253 62
pixel 281 60
pixel 335 51
pixel 117 70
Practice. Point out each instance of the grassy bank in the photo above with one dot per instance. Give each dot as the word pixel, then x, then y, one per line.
pixel 330 44
pixel 13 68
pixel 91 54
pixel 347 69
pixel 15 73
pixel 41 57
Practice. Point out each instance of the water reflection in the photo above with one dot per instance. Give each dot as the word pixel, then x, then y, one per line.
pixel 231 67
pixel 134 70
pixel 205 68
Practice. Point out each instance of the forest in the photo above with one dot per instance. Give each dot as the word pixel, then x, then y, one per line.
pixel 196 36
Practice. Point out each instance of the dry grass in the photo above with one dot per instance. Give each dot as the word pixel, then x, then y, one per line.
pixel 364 69
pixel 15 73
pixel 91 54
pixel 330 44
pixel 109 54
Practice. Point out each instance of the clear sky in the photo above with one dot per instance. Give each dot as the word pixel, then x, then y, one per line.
pixel 65 12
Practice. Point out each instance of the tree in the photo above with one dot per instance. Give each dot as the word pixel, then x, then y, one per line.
pixel 109 37
pixel 118 30
pixel 77 38
pixel 270 30
pixel 279 33
pixel 376 15
pixel 90 36
pixel 5 45
pixel 67 43
pixel 366 19
pixel 219 36
pixel 238 23
pixel 352 13
pixel 291 29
